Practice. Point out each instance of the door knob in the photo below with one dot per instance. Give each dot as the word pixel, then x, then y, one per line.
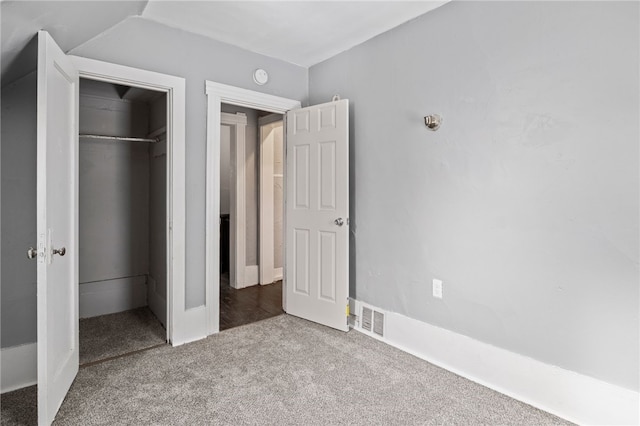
pixel 32 253
pixel 60 251
pixel 339 221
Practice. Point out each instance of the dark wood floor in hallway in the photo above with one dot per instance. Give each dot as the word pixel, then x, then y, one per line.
pixel 247 305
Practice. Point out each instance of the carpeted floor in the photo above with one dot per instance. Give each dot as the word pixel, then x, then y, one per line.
pixel 282 370
pixel 116 334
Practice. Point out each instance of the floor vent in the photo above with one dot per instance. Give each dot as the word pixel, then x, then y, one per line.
pixel 366 318
pixel 378 323
pixel 372 320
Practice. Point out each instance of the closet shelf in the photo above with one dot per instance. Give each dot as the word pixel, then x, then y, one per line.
pixel 121 138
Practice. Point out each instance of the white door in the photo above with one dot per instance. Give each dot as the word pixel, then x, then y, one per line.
pixel 317 212
pixel 57 225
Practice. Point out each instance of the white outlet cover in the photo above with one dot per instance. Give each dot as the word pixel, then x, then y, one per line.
pixel 437 288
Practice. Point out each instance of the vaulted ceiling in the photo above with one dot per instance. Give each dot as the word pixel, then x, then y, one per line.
pixel 300 32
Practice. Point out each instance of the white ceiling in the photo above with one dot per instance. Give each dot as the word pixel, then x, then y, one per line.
pixel 299 32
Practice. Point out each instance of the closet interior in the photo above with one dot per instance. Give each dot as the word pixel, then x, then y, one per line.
pixel 122 219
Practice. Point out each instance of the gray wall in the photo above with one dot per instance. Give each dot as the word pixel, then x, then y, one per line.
pixel 158 200
pixel 149 45
pixel 114 190
pixel 18 226
pixel 525 202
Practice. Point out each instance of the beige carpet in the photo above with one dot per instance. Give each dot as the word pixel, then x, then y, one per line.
pixel 282 370
pixel 116 334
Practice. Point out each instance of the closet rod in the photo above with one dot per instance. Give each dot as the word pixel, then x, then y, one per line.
pixel 120 138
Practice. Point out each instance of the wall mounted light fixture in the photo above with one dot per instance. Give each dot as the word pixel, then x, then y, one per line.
pixel 433 121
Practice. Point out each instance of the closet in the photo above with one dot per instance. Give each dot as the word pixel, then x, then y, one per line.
pixel 122 219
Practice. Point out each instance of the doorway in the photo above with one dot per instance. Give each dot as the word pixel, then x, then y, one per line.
pixel 217 95
pixel 246 295
pixel 316 267
pixel 122 220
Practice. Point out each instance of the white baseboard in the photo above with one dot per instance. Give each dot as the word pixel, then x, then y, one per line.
pixel 277 274
pixel 19 367
pixel 193 326
pixel 567 394
pixel 111 296
pixel 157 303
pixel 251 275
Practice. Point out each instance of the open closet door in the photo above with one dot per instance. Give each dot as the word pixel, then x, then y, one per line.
pixel 57 225
pixel 317 213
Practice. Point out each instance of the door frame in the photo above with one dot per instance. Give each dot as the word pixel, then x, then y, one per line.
pixel 218 93
pixel 266 251
pixel 179 319
pixel 238 269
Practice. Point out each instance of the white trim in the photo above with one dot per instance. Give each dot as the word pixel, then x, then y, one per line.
pixel 251 275
pixel 238 204
pixel 232 119
pixel 180 321
pixel 249 98
pixel 111 296
pixel 19 367
pixel 271 118
pixel 567 394
pixel 217 94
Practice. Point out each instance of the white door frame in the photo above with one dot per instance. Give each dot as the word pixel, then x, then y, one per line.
pixel 238 204
pixel 266 250
pixel 217 94
pixel 182 324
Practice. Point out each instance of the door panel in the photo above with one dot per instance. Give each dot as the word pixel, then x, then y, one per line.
pixel 57 226
pixel 317 211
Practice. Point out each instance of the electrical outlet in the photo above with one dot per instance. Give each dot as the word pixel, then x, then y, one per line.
pixel 437 288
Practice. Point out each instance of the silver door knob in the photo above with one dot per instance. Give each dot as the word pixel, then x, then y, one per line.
pixel 60 251
pixel 339 221
pixel 32 253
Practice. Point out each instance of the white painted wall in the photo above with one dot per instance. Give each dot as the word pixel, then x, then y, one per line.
pixel 525 202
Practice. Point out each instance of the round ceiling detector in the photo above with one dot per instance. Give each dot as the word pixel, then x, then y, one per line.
pixel 260 76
